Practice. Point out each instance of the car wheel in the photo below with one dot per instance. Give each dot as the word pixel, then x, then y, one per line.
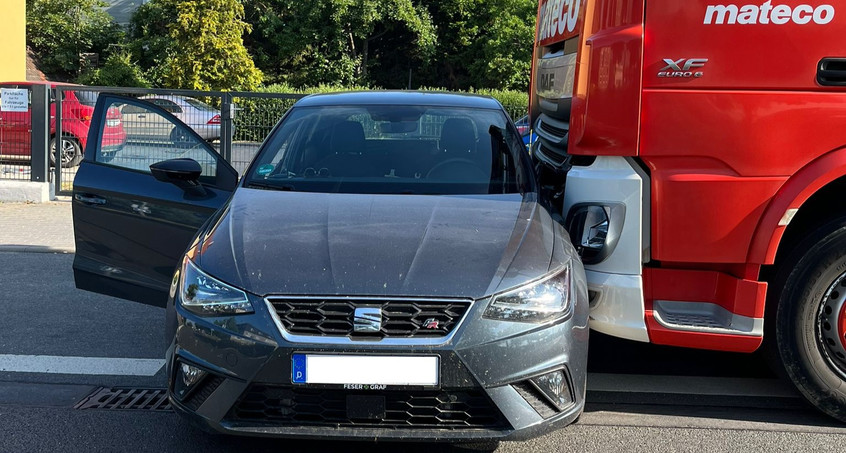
pixel 810 324
pixel 71 152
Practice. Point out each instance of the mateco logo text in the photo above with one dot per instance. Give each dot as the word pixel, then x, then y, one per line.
pixel 768 13
pixel 558 17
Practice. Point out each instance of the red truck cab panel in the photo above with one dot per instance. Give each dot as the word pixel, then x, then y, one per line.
pixel 731 109
pixel 605 116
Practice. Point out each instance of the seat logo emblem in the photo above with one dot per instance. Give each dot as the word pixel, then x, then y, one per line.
pixel 367 319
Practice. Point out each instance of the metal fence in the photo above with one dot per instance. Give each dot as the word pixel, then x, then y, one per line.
pixel 15 135
pixel 234 123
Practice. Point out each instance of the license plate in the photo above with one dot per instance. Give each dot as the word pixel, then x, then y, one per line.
pixel 364 370
pixel 112 123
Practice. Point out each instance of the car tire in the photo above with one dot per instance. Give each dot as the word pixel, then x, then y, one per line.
pixel 809 291
pixel 71 152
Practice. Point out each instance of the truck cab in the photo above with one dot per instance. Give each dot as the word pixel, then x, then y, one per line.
pixel 694 150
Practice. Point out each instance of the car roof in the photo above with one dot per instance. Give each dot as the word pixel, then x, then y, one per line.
pixel 426 98
pixel 169 97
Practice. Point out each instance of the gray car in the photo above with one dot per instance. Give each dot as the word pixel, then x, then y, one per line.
pixel 197 115
pixel 384 270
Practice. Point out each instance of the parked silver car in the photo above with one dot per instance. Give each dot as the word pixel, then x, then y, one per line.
pixel 199 116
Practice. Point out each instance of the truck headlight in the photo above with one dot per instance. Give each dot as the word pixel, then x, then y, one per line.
pixel 207 296
pixel 538 302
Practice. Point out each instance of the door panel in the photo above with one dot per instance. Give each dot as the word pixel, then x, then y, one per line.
pixel 130 229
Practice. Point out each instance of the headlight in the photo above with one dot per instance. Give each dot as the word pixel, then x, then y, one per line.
pixel 207 296
pixel 539 302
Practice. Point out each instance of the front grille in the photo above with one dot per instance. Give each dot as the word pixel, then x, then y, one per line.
pixel 552 129
pixel 400 318
pixel 293 406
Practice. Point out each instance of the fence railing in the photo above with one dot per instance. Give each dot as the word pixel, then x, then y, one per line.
pixel 46 142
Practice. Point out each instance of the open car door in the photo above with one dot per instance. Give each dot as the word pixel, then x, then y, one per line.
pixel 137 203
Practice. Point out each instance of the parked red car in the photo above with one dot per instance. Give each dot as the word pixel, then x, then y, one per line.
pixel 77 108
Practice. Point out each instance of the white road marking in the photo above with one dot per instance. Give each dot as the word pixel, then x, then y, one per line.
pixel 689 385
pixel 80 365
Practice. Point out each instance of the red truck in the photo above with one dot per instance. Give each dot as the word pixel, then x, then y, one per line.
pixel 696 154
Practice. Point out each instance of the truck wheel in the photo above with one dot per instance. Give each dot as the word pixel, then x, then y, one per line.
pixel 71 152
pixel 810 324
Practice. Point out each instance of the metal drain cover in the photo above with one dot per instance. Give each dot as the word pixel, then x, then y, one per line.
pixel 127 399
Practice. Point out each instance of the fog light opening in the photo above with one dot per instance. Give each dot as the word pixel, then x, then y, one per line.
pixel 191 375
pixel 555 388
pixel 187 378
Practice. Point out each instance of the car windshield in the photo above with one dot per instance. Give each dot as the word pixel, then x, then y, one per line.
pixel 393 149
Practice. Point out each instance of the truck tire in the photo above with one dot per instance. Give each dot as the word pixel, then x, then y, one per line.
pixel 810 321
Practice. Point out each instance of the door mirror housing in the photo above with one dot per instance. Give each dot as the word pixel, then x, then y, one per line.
pixel 183 173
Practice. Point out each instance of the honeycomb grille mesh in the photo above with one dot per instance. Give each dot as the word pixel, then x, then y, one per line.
pixel 292 406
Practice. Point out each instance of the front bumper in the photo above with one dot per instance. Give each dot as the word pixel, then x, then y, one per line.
pixel 482 368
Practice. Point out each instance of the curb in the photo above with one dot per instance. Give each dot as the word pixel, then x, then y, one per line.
pixel 36 249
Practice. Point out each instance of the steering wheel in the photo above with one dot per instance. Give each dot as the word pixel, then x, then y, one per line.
pixel 465 169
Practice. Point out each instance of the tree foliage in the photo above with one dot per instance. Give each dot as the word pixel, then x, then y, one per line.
pixel 118 71
pixel 195 44
pixel 60 31
pixel 457 44
pixel 335 41
pixel 482 43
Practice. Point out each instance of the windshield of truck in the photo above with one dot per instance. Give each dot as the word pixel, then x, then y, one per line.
pixel 393 149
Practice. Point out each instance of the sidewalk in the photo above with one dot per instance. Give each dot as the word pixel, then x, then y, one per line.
pixel 36 227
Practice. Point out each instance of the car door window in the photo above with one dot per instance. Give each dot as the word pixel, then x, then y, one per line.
pixel 164 138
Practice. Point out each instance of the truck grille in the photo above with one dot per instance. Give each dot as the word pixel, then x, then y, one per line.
pixel 558 132
pixel 292 406
pixel 400 318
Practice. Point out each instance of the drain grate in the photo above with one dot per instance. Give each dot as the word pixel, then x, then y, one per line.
pixel 127 399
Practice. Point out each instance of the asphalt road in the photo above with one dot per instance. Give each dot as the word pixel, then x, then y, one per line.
pixel 640 398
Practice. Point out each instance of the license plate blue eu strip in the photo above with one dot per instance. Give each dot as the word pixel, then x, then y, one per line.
pixel 298 369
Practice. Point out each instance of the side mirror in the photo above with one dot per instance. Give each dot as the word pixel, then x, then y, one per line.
pixel 595 229
pixel 183 173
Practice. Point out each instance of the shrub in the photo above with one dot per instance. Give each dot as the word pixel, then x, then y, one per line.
pixel 256 116
pixel 118 71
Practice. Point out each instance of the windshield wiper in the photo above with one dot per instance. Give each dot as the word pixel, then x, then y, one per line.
pixel 266 186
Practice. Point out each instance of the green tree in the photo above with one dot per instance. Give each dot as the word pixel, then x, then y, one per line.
pixel 335 41
pixel 194 44
pixel 482 43
pixel 118 71
pixel 60 31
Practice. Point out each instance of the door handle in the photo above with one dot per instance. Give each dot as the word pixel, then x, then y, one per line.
pixel 832 72
pixel 90 199
pixel 142 116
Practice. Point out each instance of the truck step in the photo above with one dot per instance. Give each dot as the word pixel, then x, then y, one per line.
pixel 704 317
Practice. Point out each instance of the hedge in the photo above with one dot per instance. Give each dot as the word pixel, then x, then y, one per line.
pixel 255 117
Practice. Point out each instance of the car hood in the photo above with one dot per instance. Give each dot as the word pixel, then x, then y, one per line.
pixel 294 243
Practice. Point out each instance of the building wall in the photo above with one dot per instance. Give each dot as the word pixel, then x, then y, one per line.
pixel 13 39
